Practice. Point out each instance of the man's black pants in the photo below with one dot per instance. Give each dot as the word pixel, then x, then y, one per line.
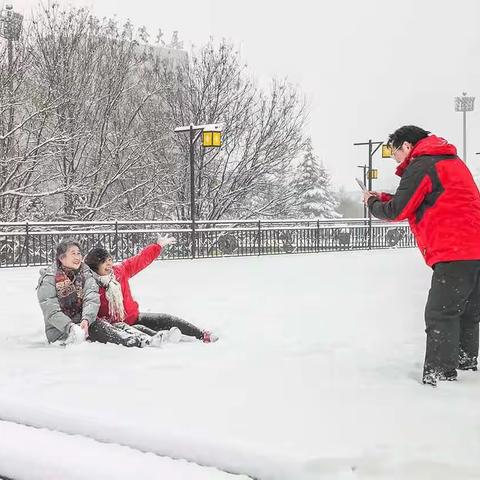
pixel 452 315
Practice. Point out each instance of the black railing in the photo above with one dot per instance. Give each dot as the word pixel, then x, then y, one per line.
pixel 33 243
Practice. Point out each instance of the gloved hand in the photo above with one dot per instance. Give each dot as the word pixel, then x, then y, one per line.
pixel 76 335
pixel 164 240
pixel 84 326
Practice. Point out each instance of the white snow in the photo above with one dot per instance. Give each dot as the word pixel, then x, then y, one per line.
pixel 33 453
pixel 316 375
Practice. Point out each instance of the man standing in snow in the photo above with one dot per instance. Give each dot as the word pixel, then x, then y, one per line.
pixel 439 198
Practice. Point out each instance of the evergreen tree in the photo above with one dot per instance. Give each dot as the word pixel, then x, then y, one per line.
pixel 315 198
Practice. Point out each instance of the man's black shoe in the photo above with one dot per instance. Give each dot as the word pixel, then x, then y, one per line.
pixel 467 363
pixel 432 377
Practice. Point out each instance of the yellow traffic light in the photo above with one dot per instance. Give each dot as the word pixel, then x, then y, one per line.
pixel 373 174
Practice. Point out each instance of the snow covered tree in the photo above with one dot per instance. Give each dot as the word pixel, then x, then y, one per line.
pixel 263 132
pixel 88 110
pixel 349 204
pixel 315 198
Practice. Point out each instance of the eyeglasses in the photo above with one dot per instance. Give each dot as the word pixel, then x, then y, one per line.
pixel 395 150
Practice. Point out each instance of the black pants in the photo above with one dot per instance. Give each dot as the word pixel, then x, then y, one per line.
pixel 452 315
pixel 163 321
pixel 122 334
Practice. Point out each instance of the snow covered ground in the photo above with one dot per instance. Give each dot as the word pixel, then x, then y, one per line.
pixel 316 376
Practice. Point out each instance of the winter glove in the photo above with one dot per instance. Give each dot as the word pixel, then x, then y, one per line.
pixel 76 335
pixel 165 240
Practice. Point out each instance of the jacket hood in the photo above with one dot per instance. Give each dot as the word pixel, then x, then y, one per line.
pixel 50 270
pixel 431 145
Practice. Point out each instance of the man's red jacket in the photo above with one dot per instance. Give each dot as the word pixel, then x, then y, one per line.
pixel 438 196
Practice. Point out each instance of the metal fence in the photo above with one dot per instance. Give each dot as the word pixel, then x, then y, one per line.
pixel 33 243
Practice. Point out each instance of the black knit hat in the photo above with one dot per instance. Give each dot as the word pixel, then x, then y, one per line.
pixel 95 257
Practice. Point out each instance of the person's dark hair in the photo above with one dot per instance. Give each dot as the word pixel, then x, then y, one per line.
pixel 63 246
pixel 95 257
pixel 407 133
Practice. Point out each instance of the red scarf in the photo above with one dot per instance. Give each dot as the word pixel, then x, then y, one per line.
pixel 70 290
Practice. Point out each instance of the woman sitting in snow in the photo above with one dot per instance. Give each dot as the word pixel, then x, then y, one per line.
pixel 69 298
pixel 117 305
pixel 68 295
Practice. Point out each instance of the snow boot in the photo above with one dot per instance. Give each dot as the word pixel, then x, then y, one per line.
pixel 209 337
pixel 173 335
pixel 432 377
pixel 467 363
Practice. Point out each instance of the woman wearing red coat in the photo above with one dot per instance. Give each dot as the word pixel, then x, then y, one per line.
pixel 117 304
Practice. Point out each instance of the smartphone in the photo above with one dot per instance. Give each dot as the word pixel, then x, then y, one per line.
pixel 361 184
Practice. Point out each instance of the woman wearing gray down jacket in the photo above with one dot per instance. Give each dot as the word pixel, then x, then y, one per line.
pixel 68 296
pixel 69 299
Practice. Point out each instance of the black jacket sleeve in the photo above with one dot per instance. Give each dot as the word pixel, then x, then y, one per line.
pixel 414 186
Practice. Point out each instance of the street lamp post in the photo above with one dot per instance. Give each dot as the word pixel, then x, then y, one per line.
pixel 212 137
pixel 464 104
pixel 371 152
pixel 10 29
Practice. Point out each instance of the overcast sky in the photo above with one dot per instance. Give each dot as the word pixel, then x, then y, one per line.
pixel 366 66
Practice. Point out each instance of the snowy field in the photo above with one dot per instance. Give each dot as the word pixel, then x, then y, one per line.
pixel 316 376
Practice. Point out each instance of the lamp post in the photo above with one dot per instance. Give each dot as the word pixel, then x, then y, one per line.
pixel 371 175
pixel 10 29
pixel 464 104
pixel 212 137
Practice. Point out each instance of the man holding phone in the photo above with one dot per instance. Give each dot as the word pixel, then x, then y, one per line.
pixel 439 198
